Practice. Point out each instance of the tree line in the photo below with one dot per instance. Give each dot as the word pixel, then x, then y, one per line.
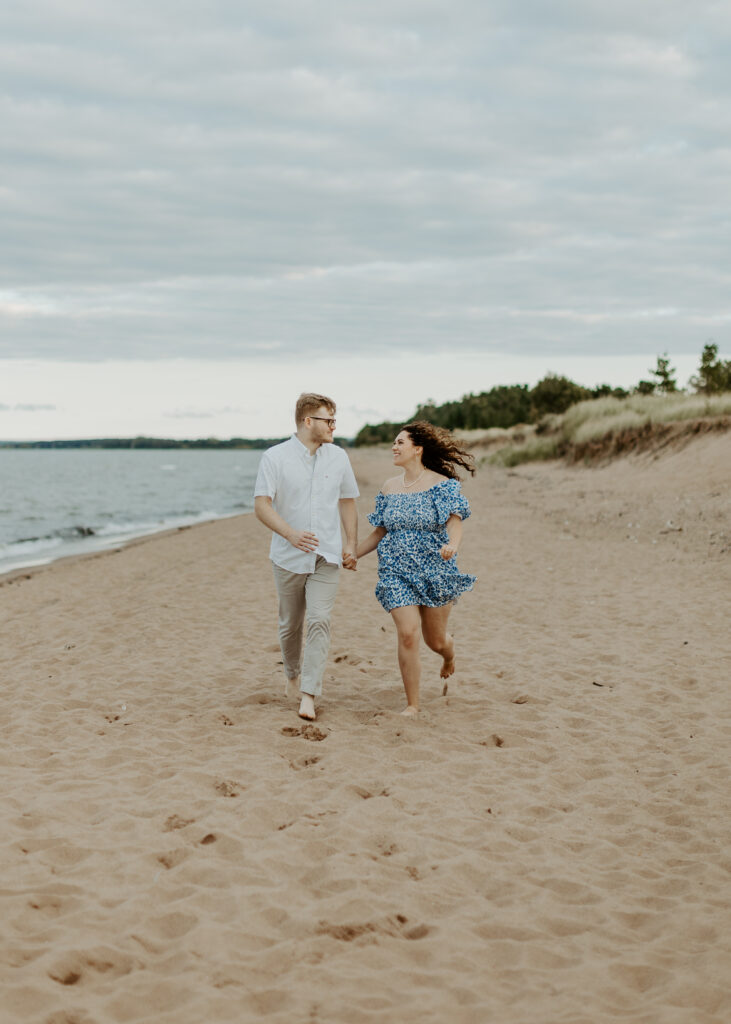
pixel 507 405
pixel 149 442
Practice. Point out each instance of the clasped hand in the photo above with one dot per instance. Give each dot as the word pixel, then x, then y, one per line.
pixel 303 540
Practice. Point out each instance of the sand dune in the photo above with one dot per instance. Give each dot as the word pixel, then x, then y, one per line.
pixel 547 844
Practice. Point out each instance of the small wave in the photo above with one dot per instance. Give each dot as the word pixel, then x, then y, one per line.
pixel 57 537
pixel 121 529
pixel 78 531
pixel 84 539
pixel 30 546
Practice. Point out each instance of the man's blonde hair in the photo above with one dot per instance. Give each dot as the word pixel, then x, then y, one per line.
pixel 308 403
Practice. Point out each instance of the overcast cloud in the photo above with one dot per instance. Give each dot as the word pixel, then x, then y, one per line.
pixel 227 180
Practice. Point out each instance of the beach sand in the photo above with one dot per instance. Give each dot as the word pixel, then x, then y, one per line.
pixel 549 843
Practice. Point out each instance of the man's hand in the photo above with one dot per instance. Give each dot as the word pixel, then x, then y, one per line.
pixel 303 540
pixel 349 560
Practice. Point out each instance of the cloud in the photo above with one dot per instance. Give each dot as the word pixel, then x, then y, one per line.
pixel 491 176
pixel 203 414
pixel 26 407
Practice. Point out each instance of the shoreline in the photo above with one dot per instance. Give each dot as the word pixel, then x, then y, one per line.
pixel 111 545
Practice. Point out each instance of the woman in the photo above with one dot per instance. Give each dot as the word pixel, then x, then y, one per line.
pixel 418 529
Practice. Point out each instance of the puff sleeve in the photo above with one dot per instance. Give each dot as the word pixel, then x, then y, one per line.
pixel 376 517
pixel 449 500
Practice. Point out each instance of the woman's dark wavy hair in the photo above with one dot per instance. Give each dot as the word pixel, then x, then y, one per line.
pixel 442 452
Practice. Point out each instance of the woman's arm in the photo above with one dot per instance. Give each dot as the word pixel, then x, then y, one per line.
pixel 454 532
pixel 371 542
pixel 349 519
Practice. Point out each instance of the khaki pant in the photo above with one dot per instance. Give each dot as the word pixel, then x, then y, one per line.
pixel 310 596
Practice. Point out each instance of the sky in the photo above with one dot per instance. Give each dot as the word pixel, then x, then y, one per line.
pixel 209 207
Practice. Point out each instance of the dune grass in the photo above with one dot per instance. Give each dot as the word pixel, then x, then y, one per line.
pixel 604 418
pixel 535 449
pixel 588 421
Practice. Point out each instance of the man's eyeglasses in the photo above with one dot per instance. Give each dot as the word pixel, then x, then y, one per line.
pixel 325 419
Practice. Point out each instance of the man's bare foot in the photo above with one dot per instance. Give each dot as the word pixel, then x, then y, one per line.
pixel 448 665
pixel 307 707
pixel 410 712
pixel 291 685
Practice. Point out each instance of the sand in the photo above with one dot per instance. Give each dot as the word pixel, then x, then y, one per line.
pixel 549 842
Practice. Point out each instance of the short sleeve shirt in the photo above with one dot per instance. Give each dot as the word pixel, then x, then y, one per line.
pixel 305 490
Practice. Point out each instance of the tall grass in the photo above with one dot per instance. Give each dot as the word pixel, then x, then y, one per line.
pixel 588 421
pixel 535 449
pixel 600 418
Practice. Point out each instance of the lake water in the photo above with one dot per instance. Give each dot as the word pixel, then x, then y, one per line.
pixel 61 502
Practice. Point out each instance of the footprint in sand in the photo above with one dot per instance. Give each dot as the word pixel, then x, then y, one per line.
pixel 73 966
pixel 349 659
pixel 307 732
pixel 228 787
pixel 172 858
pixel 175 822
pixel 366 794
pixel 313 733
pixel 393 926
pixel 259 698
pixel 304 762
pixel 52 904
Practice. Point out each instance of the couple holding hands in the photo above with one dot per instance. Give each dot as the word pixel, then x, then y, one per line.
pixel 305 489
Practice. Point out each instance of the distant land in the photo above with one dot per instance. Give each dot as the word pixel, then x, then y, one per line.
pixel 149 442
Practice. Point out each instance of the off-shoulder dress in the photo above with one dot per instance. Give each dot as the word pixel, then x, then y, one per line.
pixel 411 570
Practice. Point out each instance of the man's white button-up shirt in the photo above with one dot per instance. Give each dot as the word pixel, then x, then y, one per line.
pixel 305 490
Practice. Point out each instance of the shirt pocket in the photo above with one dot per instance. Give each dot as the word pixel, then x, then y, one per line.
pixel 326 487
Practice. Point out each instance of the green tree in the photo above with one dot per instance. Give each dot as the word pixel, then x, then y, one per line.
pixel 554 394
pixel 665 375
pixel 502 406
pixel 714 374
pixel 607 391
pixel 376 433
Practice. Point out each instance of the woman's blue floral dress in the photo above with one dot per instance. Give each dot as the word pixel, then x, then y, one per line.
pixel 410 568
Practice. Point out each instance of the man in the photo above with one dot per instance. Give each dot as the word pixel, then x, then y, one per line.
pixel 304 489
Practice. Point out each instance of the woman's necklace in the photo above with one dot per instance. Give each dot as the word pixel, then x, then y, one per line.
pixel 414 481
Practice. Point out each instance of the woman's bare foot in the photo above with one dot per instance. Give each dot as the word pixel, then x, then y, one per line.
pixel 410 712
pixel 307 707
pixel 448 665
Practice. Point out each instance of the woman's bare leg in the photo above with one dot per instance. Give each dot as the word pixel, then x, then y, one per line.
pixel 434 630
pixel 407 625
